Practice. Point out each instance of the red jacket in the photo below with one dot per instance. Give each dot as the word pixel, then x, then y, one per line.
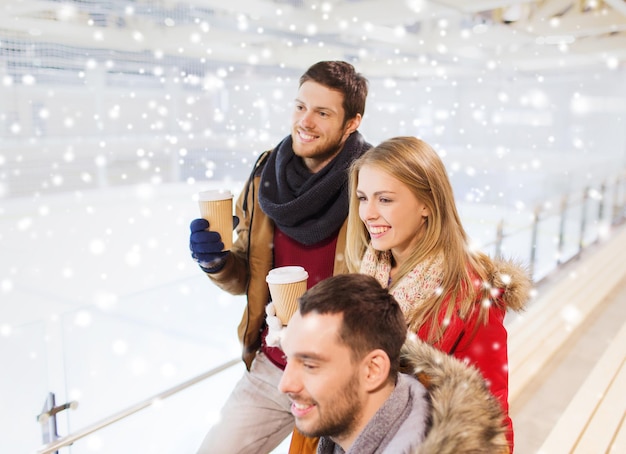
pixel 485 346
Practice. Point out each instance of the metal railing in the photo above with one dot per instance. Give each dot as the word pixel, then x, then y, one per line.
pixel 561 214
pixel 70 439
pixel 565 235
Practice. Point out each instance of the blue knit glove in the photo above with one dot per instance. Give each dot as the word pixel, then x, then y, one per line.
pixel 206 246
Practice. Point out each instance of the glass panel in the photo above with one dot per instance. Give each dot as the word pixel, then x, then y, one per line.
pixel 149 342
pixel 24 384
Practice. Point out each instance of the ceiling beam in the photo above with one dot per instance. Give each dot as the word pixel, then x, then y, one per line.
pixel 15 8
pixel 575 24
pixel 605 46
pixel 548 9
pixel 478 6
pixel 617 5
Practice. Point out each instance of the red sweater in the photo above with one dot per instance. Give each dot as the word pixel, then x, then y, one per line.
pixel 317 259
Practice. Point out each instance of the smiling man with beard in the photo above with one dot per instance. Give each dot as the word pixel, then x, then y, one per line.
pixel 343 350
pixel 291 212
pixel 358 383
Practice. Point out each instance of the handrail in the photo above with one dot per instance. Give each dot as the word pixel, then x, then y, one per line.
pixel 71 438
pixel 549 210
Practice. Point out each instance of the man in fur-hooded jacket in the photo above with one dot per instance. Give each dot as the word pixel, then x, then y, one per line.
pixel 353 384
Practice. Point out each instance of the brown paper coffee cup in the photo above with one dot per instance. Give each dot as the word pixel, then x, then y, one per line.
pixel 287 284
pixel 217 208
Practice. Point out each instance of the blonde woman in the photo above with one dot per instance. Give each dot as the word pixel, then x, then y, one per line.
pixel 404 229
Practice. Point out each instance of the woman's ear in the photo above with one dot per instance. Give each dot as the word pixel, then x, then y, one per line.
pixel 376 366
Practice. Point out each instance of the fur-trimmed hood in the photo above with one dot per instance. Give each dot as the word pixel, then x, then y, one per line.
pixel 513 281
pixel 465 417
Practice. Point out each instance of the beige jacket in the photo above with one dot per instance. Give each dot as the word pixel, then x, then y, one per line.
pixel 251 258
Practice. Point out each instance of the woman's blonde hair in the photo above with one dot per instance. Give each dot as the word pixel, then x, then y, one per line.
pixel 416 165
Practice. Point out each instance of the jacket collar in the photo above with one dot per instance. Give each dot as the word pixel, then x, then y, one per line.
pixel 465 416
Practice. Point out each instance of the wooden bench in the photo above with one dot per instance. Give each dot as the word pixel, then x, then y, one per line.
pixel 595 421
pixel 537 335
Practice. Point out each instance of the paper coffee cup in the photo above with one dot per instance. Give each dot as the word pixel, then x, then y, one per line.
pixel 287 284
pixel 217 207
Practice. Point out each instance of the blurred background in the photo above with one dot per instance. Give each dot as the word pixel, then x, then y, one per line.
pixel 114 114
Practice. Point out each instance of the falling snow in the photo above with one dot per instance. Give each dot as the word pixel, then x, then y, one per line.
pixel 102 148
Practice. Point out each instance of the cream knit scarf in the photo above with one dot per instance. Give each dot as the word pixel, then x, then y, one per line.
pixel 414 288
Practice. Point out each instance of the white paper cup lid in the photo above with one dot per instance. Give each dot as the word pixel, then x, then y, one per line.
pixel 215 194
pixel 286 275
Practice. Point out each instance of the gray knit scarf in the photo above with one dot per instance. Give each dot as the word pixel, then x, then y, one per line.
pixel 383 426
pixel 308 207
